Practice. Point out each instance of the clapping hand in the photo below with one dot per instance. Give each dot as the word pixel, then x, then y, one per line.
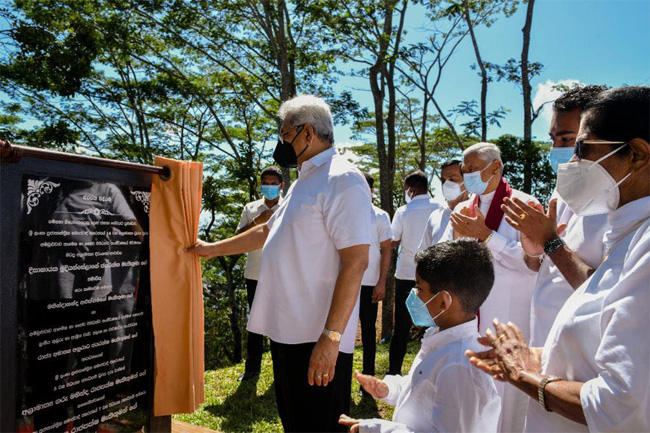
pixel 536 226
pixel 467 226
pixel 509 355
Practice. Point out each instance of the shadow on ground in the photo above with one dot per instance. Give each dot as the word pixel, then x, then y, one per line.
pixel 245 407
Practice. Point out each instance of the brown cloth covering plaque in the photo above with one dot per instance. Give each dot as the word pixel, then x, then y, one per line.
pixel 176 288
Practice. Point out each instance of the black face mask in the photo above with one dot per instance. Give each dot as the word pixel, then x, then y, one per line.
pixel 284 154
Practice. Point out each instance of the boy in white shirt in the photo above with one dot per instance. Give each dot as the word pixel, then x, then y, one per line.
pixel 441 392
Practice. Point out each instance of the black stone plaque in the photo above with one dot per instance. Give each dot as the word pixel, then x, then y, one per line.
pixel 77 303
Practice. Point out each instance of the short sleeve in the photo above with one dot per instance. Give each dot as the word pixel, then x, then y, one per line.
pixel 347 214
pixel 396 226
pixel 245 218
pixel 385 231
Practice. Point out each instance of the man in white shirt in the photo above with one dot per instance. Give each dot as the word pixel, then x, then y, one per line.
pixel 581 236
pixel 482 218
pixel 438 228
pixel 314 256
pixel 255 213
pixel 373 286
pixel 408 225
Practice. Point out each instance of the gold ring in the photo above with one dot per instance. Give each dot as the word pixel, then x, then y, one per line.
pixel 326 375
pixel 501 337
pixel 523 215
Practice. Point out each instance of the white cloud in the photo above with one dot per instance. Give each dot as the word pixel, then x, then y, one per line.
pixel 547 93
pixel 344 150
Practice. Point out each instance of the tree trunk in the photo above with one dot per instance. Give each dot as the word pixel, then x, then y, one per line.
pixel 484 77
pixel 527 94
pixel 234 311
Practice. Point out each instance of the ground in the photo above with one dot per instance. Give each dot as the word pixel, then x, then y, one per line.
pixel 232 406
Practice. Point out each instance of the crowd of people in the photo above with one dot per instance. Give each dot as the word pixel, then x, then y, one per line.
pixel 537 317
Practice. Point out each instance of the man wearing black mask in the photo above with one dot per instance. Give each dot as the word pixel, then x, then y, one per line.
pixel 314 257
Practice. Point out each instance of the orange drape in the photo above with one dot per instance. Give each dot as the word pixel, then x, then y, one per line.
pixel 176 288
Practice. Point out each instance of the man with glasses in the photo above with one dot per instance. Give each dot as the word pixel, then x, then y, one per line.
pixel 561 246
pixel 482 218
pixel 314 257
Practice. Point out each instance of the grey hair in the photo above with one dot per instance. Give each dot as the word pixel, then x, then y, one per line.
pixel 309 109
pixel 487 152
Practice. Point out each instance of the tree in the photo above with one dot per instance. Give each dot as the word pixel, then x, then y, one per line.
pixel 135 78
pixel 521 162
pixel 369 33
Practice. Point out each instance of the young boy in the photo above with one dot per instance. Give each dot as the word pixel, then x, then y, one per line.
pixel 442 392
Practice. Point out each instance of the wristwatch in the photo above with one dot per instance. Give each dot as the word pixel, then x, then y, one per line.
pixel 540 390
pixel 552 246
pixel 334 336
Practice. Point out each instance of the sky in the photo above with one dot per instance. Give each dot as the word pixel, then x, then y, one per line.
pixel 587 41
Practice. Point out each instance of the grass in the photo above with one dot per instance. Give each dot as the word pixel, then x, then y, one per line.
pixel 232 406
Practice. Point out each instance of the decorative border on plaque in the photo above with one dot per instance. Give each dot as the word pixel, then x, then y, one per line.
pixel 35 189
pixel 143 197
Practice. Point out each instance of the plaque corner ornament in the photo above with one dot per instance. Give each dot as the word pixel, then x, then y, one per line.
pixel 35 189
pixel 143 197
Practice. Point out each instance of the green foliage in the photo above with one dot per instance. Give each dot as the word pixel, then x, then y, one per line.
pixel 527 165
pixel 202 80
pixel 472 126
pixel 232 406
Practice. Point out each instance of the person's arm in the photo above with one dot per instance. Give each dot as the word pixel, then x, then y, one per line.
pixel 396 227
pixel 354 261
pixel 427 236
pixel 539 228
pixel 262 218
pixel 512 360
pixel 242 243
pixel 377 425
pixel 379 292
pixel 561 397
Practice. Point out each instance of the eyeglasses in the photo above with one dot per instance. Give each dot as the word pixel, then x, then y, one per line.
pixel 580 145
pixel 299 127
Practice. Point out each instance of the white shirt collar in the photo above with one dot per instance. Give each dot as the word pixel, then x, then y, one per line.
pixel 420 197
pixel 487 198
pixel 267 207
pixel 626 218
pixel 433 337
pixel 317 160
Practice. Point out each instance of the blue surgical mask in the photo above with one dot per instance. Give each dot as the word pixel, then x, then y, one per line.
pixel 473 182
pixel 559 155
pixel 270 192
pixel 419 311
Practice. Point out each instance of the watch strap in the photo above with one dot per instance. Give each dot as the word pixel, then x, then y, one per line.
pixel 552 246
pixel 540 390
pixel 333 336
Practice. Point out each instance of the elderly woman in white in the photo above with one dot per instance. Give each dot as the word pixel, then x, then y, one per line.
pixel 593 372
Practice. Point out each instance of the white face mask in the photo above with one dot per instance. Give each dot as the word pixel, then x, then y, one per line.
pixel 474 183
pixel 407 197
pixel 587 188
pixel 451 190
